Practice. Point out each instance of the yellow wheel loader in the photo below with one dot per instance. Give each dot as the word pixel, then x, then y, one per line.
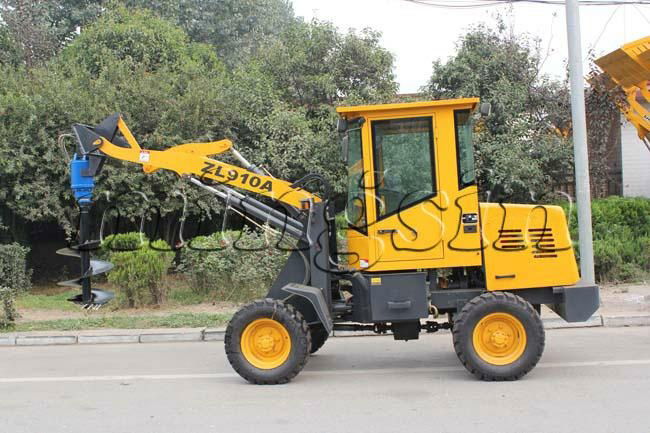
pixel 629 69
pixel 419 245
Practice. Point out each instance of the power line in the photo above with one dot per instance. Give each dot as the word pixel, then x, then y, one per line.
pixel 642 14
pixel 473 4
pixel 605 27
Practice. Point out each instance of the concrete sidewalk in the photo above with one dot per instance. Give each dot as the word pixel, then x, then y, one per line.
pixel 121 336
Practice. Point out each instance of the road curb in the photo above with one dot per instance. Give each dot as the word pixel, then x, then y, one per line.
pixel 212 334
pixel 171 337
pixel 108 339
pixel 51 340
pixel 8 341
pixel 557 323
pixel 623 321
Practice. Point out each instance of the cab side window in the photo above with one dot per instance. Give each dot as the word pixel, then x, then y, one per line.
pixel 355 208
pixel 404 163
pixel 464 148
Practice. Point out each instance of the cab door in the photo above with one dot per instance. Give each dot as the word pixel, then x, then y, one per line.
pixel 408 223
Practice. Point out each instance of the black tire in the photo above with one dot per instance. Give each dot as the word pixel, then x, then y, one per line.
pixel 498 302
pixel 292 321
pixel 319 336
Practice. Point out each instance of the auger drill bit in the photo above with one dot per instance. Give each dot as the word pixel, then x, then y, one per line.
pixel 84 166
pixel 97 267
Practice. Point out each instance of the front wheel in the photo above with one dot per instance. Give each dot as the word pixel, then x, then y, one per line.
pixel 498 336
pixel 267 342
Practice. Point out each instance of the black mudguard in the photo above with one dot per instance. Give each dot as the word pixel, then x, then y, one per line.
pixel 291 286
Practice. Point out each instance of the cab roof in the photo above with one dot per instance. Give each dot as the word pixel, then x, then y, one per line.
pixel 361 109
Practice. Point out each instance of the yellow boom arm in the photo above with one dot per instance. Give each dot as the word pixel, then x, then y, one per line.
pixel 192 159
pixel 629 67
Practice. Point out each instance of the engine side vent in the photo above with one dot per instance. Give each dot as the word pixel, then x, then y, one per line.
pixel 511 239
pixel 543 243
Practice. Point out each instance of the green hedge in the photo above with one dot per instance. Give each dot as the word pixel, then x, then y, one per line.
pixel 140 269
pixel 14 279
pixel 621 228
pixel 232 266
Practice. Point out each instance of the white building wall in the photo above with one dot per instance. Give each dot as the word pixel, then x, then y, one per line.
pixel 635 162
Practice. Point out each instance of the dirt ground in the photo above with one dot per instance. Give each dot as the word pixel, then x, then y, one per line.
pixel 625 298
pixel 29 315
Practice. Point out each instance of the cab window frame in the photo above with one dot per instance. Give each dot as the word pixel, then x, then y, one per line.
pixel 462 185
pixel 378 176
pixel 361 228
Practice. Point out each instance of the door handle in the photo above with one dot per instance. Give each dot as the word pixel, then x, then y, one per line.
pixel 386 231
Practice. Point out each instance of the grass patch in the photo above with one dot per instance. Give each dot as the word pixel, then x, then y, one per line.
pixel 185 296
pixel 56 301
pixel 174 320
pixel 52 299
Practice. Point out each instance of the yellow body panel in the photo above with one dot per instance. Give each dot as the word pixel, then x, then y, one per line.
pixel 528 246
pixel 204 149
pixel 400 107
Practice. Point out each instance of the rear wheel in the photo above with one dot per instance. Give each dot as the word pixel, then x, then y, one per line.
pixel 498 336
pixel 267 342
pixel 318 337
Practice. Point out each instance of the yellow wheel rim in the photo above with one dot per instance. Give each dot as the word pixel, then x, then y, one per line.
pixel 499 338
pixel 265 343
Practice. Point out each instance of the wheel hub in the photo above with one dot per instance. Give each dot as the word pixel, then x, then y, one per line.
pixel 499 338
pixel 265 343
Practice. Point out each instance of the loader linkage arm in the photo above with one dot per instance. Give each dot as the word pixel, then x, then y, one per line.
pixel 113 138
pixel 185 160
pixel 629 68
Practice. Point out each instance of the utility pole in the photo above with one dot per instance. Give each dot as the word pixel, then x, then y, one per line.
pixel 580 150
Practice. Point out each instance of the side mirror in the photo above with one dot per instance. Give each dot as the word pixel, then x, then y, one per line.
pixel 485 109
pixel 344 148
pixel 341 125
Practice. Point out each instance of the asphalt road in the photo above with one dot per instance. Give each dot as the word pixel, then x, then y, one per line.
pixel 589 380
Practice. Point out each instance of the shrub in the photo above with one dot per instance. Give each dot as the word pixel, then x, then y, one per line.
pixel 124 242
pixel 234 265
pixel 8 311
pixel 621 228
pixel 14 279
pixel 139 273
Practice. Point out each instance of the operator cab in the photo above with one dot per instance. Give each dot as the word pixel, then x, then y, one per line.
pixel 412 198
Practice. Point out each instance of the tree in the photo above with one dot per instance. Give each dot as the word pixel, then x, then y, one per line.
pixel 9 50
pixel 522 148
pixel 309 69
pixel 236 28
pixel 604 133
pixel 313 64
pixel 167 88
pixel 27 25
pixel 139 38
pixel 172 90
